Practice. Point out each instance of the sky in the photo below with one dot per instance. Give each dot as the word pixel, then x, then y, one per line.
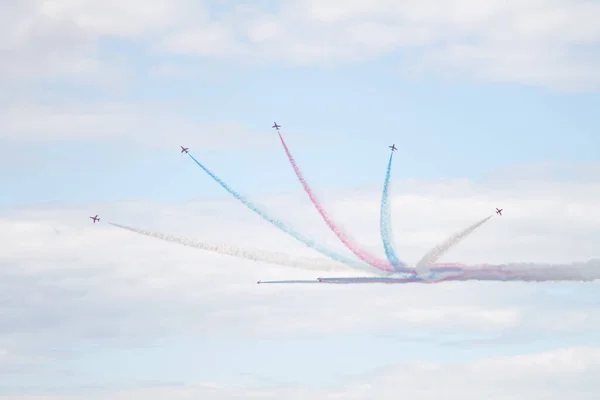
pixel 490 104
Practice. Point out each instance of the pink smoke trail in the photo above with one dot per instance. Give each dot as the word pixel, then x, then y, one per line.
pixel 370 259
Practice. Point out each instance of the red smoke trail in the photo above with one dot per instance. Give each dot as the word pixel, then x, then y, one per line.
pixel 370 259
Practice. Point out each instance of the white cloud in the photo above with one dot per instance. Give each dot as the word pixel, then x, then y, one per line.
pixel 121 19
pixel 547 43
pixel 557 374
pixel 68 283
pixel 542 43
pixel 149 125
pixel 36 44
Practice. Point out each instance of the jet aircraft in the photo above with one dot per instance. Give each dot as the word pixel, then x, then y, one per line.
pixel 95 218
pixel 184 149
pixel 498 211
pixel 276 126
pixel 393 147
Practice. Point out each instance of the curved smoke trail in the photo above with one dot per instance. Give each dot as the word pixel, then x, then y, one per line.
pixel 248 254
pixel 363 255
pixel 434 254
pixel 281 225
pixel 385 223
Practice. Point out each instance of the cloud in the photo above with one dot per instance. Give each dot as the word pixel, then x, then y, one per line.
pixel 117 19
pixel 36 44
pixel 548 375
pixel 551 44
pixel 67 284
pixel 148 125
pixel 575 173
pixel 74 41
pixel 540 43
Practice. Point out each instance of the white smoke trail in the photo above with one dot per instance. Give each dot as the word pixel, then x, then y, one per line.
pixel 248 254
pixel 517 272
pixel 587 271
pixel 434 254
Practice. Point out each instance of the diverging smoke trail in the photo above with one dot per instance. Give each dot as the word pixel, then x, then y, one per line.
pixel 308 242
pixel 385 219
pixel 347 241
pixel 248 254
pixel 438 251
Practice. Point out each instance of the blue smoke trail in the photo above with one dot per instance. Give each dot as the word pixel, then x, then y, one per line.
pixel 385 223
pixel 283 227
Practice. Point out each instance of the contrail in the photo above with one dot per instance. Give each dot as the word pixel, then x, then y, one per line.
pixel 434 254
pixel 248 254
pixel 385 223
pixel 519 272
pixel 308 242
pixel 365 256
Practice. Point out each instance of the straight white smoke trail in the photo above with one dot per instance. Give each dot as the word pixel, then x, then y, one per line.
pixel 248 254
pixel 438 251
pixel 587 271
pixel 516 272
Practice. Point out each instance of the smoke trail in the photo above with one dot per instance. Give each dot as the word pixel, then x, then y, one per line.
pixel 248 254
pixel 576 272
pixel 281 225
pixel 363 255
pixel 434 254
pixel 385 223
